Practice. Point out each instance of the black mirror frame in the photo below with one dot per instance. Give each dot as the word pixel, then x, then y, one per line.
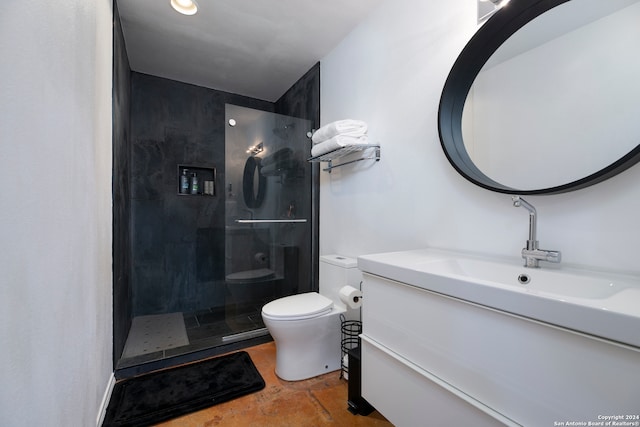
pixel 251 167
pixel 504 23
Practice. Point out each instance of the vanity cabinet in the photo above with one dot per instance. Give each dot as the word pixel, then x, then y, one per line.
pixel 431 359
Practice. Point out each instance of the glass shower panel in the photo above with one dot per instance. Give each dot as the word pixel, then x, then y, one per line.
pixel 267 190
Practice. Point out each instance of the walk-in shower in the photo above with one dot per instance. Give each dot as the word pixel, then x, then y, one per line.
pixel 207 261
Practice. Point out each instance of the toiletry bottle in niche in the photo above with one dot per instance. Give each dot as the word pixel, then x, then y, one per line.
pixel 194 183
pixel 184 182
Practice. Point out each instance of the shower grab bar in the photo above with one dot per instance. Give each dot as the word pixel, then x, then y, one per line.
pixel 268 221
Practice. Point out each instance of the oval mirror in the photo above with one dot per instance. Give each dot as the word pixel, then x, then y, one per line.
pixel 254 184
pixel 544 98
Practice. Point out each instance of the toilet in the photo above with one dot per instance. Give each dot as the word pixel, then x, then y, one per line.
pixel 245 292
pixel 306 327
pixel 251 285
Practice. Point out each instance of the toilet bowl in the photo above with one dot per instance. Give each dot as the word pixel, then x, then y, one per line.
pixel 245 291
pixel 245 287
pixel 250 276
pixel 306 327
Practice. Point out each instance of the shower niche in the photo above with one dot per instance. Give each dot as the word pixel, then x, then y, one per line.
pixel 196 180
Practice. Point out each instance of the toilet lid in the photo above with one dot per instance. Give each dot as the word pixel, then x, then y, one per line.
pixel 297 307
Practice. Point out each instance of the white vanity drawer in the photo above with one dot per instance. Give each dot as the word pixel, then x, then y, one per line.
pixel 525 370
pixel 408 397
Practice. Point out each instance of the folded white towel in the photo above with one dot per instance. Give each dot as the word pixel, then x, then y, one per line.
pixel 347 127
pixel 338 141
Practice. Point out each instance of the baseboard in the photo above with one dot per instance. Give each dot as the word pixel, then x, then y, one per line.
pixel 105 400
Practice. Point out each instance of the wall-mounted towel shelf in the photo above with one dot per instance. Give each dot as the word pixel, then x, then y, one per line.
pixel 341 152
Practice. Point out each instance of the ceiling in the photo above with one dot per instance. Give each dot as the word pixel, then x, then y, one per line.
pixel 256 48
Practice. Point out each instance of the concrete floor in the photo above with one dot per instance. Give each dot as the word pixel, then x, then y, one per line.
pixel 319 401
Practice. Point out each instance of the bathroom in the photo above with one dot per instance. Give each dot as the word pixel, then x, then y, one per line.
pixel 389 71
pixel 362 183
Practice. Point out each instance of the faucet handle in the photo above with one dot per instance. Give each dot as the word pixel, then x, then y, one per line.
pixel 532 256
pixel 553 256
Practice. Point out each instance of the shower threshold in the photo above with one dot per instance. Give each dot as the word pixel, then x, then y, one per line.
pixel 245 335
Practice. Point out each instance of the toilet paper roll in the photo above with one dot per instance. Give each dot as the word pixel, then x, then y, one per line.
pixel 351 296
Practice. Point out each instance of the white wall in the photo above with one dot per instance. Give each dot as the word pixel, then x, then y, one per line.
pixel 55 212
pixel 390 72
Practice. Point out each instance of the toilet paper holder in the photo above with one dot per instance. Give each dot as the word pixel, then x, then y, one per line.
pixel 350 331
pixel 351 297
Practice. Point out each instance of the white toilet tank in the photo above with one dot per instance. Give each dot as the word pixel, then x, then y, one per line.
pixel 337 271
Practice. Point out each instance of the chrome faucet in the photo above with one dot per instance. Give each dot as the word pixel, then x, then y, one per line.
pixel 531 254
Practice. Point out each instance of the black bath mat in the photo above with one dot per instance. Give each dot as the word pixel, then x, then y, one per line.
pixel 160 396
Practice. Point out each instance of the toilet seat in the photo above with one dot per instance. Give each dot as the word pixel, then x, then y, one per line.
pixel 298 307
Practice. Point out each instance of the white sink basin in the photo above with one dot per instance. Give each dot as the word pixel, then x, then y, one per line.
pixel 600 304
pixel 538 281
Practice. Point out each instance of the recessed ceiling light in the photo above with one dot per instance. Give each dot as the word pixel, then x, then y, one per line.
pixel 186 7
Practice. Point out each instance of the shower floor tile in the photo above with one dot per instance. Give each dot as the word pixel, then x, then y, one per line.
pixel 210 317
pixel 190 322
pixel 203 329
pixel 208 330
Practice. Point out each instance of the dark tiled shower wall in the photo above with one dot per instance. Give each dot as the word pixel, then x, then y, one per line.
pixel 177 240
pixel 302 100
